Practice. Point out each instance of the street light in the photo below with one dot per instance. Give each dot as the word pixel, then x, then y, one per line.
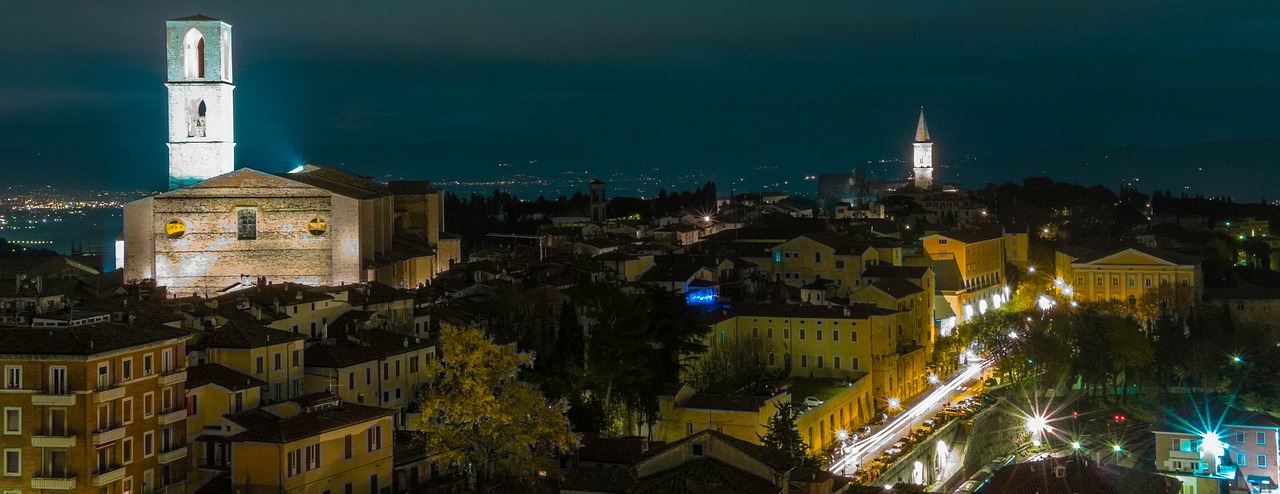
pixel 1116 448
pixel 895 403
pixel 1075 445
pixel 933 378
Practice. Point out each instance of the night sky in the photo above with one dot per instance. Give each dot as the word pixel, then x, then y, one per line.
pixel 447 90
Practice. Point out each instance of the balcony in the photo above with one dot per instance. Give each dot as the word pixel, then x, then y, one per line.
pixel 55 482
pixel 170 417
pixel 174 377
pixel 45 439
pixel 174 454
pixel 115 433
pixel 1184 455
pixel 103 395
pixel 105 477
pixel 55 400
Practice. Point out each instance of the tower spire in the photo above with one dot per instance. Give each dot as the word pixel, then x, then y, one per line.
pixel 922 130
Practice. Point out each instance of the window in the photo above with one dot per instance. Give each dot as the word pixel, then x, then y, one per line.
pixel 126 409
pixel 839 264
pixel 853 363
pixel 1262 461
pixel 13 462
pixel 755 332
pixel 801 334
pixel 148 405
pixel 373 482
pixel 697 449
pixel 278 361
pixel 192 405
pixel 374 438
pixel 819 361
pixel 148 444
pixel 348 447
pixel 942 240
pixel 835 362
pixel 397 368
pixel 386 370
pixel 1130 281
pixel 1240 460
pixel 769 333
pixel 1146 282
pixel 259 365
pixel 146 365
pixel 413 364
pixel 817 258
pixel 297 358
pixel 771 359
pixel 1115 281
pixel 126 369
pixel 348 488
pixel 853 336
pixel 804 361
pixel 104 376
pixel 126 450
pixel 13 377
pixel 246 224
pixel 351 380
pixel 1240 437
pixel 312 452
pixel 12 421
pixel 1262 438
pixel 818 334
pixel 293 460
pixel 368 376
pixel 786 333
pixel 835 335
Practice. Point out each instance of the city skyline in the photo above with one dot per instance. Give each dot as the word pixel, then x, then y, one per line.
pixel 451 92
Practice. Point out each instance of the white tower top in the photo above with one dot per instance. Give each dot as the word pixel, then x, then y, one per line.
pixel 922 161
pixel 201 111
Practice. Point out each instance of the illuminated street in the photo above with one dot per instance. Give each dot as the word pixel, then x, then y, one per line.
pixel 870 447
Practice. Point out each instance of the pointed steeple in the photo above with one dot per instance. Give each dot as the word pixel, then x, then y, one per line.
pixel 922 130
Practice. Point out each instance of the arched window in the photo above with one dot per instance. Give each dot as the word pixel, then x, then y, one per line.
pixel 193 54
pixel 196 127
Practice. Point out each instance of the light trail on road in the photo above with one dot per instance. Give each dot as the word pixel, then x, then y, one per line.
pixel 878 441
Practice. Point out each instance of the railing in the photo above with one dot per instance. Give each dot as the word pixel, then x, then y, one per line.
pixel 46 480
pixel 108 394
pixel 113 432
pixel 47 439
pixel 112 473
pixel 172 416
pixel 172 377
pixel 60 397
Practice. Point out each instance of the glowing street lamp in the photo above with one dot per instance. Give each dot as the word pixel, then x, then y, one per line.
pixel 895 403
pixel 1116 448
pixel 1059 282
pixel 1211 444
pixel 933 378
pixel 1037 424
pixel 1075 445
pixel 1013 335
pixel 1044 302
pixel 1031 269
pixel 1068 290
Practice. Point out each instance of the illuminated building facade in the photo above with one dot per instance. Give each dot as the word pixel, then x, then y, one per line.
pixel 922 156
pixel 201 127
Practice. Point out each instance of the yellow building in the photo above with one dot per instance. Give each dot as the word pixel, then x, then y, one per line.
pixel 970 267
pixel 271 355
pixel 215 391
pixel 830 342
pixel 289 306
pixel 93 409
pixel 371 366
pixel 1126 274
pixel 828 256
pixel 312 444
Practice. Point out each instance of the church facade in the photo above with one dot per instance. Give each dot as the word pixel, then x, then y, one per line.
pixel 218 227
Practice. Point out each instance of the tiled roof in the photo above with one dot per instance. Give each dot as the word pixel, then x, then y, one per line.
pixel 1041 477
pixel 85 340
pixel 311 424
pixel 1077 252
pixel 374 344
pixel 843 245
pixel 891 271
pixel 598 479
pixel 705 476
pixel 220 375
pixel 250 336
pixel 856 311
pixel 897 287
pixel 611 450
pixel 338 181
pixel 975 234
pixel 670 272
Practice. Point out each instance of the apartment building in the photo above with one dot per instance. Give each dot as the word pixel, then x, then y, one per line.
pixel 96 408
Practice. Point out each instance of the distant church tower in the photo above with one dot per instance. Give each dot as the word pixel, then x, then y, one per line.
pixel 597 201
pixel 923 159
pixel 201 127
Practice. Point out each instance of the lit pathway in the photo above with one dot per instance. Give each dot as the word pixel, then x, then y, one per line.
pixel 870 447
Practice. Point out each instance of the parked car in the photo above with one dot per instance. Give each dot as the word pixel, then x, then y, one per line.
pixel 864 431
pixel 930 423
pixel 812 401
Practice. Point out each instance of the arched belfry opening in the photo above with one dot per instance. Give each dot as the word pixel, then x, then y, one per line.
pixel 197 125
pixel 193 54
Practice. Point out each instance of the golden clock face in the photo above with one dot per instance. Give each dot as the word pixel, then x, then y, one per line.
pixel 175 229
pixel 317 226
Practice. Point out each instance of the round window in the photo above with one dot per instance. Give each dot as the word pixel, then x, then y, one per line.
pixel 317 226
pixel 175 229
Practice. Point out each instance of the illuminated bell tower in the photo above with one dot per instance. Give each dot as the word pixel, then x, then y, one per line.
pixel 598 201
pixel 923 156
pixel 201 127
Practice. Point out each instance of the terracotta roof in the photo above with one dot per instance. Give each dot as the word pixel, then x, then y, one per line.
pixel 1041 478
pixel 891 271
pixel 310 424
pixel 897 287
pixel 374 344
pixel 843 245
pixel 975 234
pixel 220 375
pixel 86 340
pixel 241 336
pixel 338 181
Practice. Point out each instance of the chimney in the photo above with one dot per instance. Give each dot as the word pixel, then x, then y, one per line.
pixel 406 343
pixel 1060 471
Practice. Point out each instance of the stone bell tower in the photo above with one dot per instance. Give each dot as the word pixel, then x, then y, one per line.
pixel 922 161
pixel 201 125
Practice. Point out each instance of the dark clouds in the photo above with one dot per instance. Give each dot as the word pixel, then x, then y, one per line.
pixel 448 89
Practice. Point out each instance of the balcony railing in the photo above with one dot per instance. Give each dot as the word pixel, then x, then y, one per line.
pixel 174 453
pixel 46 480
pixel 47 398
pixel 173 377
pixel 172 416
pixel 47 439
pixel 113 432
pixel 106 476
pixel 108 394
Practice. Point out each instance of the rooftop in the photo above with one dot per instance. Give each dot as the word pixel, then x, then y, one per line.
pixel 85 340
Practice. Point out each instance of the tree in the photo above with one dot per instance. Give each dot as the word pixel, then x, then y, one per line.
pixel 781 436
pixel 730 366
pixel 476 415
